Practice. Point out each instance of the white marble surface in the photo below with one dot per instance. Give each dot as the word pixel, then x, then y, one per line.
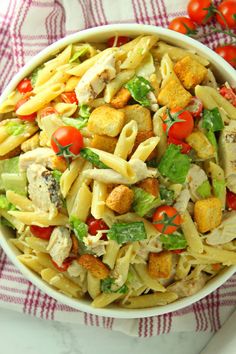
pixel 27 335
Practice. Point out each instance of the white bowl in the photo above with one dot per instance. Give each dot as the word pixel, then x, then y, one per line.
pixel 223 71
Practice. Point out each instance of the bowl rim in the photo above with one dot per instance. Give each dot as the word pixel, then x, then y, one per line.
pixel 11 251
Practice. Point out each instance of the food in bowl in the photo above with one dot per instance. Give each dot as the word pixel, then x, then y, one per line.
pixel 117 172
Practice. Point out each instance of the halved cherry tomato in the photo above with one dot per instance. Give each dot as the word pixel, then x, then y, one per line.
pixel 200 11
pixel 47 111
pixel 216 266
pixel 228 52
pixel 30 117
pixel 41 232
pixel 24 86
pixel 185 147
pixel 65 265
pixel 67 141
pixel 195 107
pixel 69 97
pixel 229 94
pixel 231 200
pixel 166 219
pixel 120 40
pixel 183 25
pixel 95 225
pixel 179 129
pixel 227 10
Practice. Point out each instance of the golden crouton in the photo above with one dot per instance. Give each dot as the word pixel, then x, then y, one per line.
pixel 94 265
pixel 160 264
pixel 12 153
pixel 120 199
pixel 105 143
pixel 142 136
pixel 207 214
pixel 30 144
pixel 174 95
pixel 190 72
pixel 106 120
pixel 140 114
pixel 150 185
pixel 121 98
pixel 199 142
pixel 58 163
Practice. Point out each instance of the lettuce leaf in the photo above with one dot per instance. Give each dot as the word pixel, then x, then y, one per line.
pixel 83 50
pixel 144 201
pixel 108 287
pixel 167 195
pixel 212 120
pixel 218 187
pixel 204 190
pixel 79 227
pixel 139 87
pixel 127 232
pixel 78 123
pixel 89 155
pixel 5 204
pixel 174 241
pixel 15 128
pixel 57 175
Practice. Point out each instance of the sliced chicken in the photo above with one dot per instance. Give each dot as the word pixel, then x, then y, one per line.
pixel 227 150
pixel 95 244
pixel 196 176
pixel 41 156
pixel 188 286
pixel 44 191
pixel 95 79
pixel 225 232
pixel 182 200
pixel 60 244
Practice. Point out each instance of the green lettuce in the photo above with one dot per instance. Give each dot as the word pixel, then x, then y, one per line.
pixel 139 88
pixel 167 195
pixel 15 128
pixel 212 120
pixel 144 201
pixel 5 204
pixel 174 165
pixel 173 241
pixel 57 175
pixel 84 111
pixel 127 232
pixel 219 187
pixel 77 123
pixel 204 190
pixel 108 286
pixel 92 157
pixel 79 227
pixel 83 50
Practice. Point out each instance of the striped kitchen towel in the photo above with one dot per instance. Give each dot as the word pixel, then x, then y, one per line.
pixel 26 27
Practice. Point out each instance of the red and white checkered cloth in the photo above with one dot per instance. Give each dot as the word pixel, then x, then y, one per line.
pixel 26 27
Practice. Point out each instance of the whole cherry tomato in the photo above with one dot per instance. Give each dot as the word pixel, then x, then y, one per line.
pixel 30 117
pixel 226 15
pixel 65 265
pixel 41 232
pixel 25 86
pixel 183 25
pixel 47 111
pixel 195 107
pixel 67 141
pixel 166 219
pixel 69 97
pixel 178 123
pixel 185 147
pixel 118 41
pixel 200 11
pixel 95 225
pixel 228 52
pixel 231 200
pixel 229 94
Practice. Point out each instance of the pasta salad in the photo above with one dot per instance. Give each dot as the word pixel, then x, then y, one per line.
pixel 118 172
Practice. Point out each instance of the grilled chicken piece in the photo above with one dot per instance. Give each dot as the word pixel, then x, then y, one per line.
pixel 196 176
pixel 43 189
pixel 41 156
pixel 94 80
pixel 227 150
pixel 60 244
pixel 188 286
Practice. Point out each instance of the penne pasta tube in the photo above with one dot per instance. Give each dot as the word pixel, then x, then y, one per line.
pixel 31 261
pixel 39 218
pixel 150 300
pixel 21 245
pixel 145 148
pixel 126 140
pixel 68 177
pixel 191 234
pixel 94 285
pixel 150 282
pixel 159 132
pixel 58 78
pixel 98 199
pixel 9 104
pixel 17 224
pixel 104 299
pixel 113 87
pixel 37 244
pixel 110 256
pixel 20 201
pixel 65 109
pixel 220 255
pixel 82 203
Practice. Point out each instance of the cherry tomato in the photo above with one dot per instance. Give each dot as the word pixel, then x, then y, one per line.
pixel 200 11
pixel 94 225
pixel 166 219
pixel 227 10
pixel 69 97
pixel 231 200
pixel 65 136
pixel 195 107
pixel 24 86
pixel 229 94
pixel 185 147
pixel 30 117
pixel 228 52
pixel 47 111
pixel 65 265
pixel 181 129
pixel 120 40
pixel 42 232
pixel 177 251
pixel 183 25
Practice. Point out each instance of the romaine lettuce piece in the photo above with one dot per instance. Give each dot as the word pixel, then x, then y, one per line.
pixel 139 88
pixel 127 232
pixel 174 241
pixel 144 201
pixel 89 155
pixel 204 190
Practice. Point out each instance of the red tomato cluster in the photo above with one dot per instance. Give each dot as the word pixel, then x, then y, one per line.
pixel 201 12
pixel 95 225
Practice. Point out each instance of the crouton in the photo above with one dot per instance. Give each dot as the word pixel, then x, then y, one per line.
pixel 121 99
pixel 199 142
pixel 30 144
pixel 207 214
pixel 142 136
pixel 93 264
pixel 160 264
pixel 105 143
pixel 140 114
pixel 12 153
pixel 58 163
pixel 75 244
pixel 150 185
pixel 190 72
pixel 106 120
pixel 120 199
pixel 174 95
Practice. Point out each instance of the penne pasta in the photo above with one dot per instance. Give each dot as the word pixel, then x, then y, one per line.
pixel 98 199
pixel 39 218
pixel 144 149
pixel 150 300
pixel 70 175
pixel 191 234
pixel 31 262
pixel 126 140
